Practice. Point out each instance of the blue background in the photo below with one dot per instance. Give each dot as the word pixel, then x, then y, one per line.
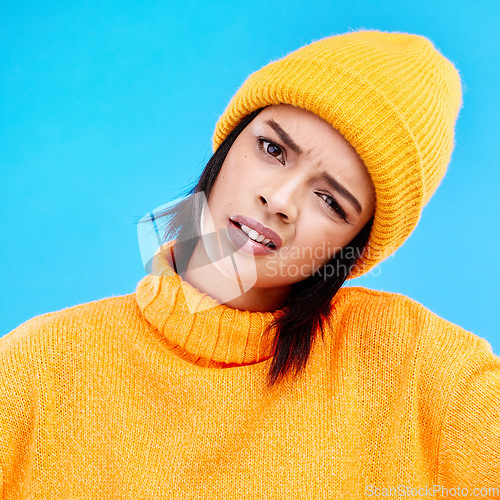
pixel 108 109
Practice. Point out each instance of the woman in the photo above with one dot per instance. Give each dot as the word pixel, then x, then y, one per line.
pixel 211 381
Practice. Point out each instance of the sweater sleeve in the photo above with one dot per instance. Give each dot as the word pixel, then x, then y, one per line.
pixel 469 455
pixel 17 407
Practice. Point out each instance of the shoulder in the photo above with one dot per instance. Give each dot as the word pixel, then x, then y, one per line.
pixel 401 326
pixel 386 308
pixel 395 342
pixel 42 337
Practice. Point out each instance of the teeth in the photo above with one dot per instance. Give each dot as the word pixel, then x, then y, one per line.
pixel 254 235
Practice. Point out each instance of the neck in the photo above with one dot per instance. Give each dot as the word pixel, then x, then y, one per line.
pixel 196 326
pixel 211 279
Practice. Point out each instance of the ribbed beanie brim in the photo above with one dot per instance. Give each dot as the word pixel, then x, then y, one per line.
pixel 393 96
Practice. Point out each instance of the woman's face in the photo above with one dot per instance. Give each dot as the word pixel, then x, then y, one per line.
pixel 292 178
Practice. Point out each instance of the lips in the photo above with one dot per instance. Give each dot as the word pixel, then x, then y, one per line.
pixel 259 228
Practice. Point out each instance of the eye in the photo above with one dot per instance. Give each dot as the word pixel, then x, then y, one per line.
pixel 333 205
pixel 272 149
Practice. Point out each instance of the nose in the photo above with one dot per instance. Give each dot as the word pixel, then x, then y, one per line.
pixel 282 197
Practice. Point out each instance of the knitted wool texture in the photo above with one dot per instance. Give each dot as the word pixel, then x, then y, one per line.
pixel 393 96
pixel 135 397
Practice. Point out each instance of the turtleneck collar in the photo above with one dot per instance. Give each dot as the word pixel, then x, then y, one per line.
pixel 197 326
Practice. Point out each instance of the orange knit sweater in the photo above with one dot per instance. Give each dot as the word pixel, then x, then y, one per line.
pixel 135 397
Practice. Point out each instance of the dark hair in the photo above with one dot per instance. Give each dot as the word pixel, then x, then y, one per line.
pixel 308 305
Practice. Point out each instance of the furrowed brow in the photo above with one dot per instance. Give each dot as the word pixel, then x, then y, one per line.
pixel 333 183
pixel 342 191
pixel 284 136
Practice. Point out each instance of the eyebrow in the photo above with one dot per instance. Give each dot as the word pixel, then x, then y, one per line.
pixel 284 137
pixel 327 177
pixel 342 191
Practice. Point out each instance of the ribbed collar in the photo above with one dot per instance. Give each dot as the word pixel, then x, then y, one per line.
pixel 197 326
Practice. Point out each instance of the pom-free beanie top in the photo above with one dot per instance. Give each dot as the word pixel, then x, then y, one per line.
pixel 136 397
pixel 393 96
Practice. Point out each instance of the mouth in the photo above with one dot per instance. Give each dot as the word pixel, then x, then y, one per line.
pixel 254 236
pixel 257 232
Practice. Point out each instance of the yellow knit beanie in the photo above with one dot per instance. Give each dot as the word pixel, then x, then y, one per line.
pixel 393 96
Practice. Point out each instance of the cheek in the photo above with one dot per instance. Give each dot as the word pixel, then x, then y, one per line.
pixel 222 186
pixel 322 241
pixel 234 181
pixel 226 194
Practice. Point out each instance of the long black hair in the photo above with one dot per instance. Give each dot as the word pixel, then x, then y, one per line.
pixel 307 308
